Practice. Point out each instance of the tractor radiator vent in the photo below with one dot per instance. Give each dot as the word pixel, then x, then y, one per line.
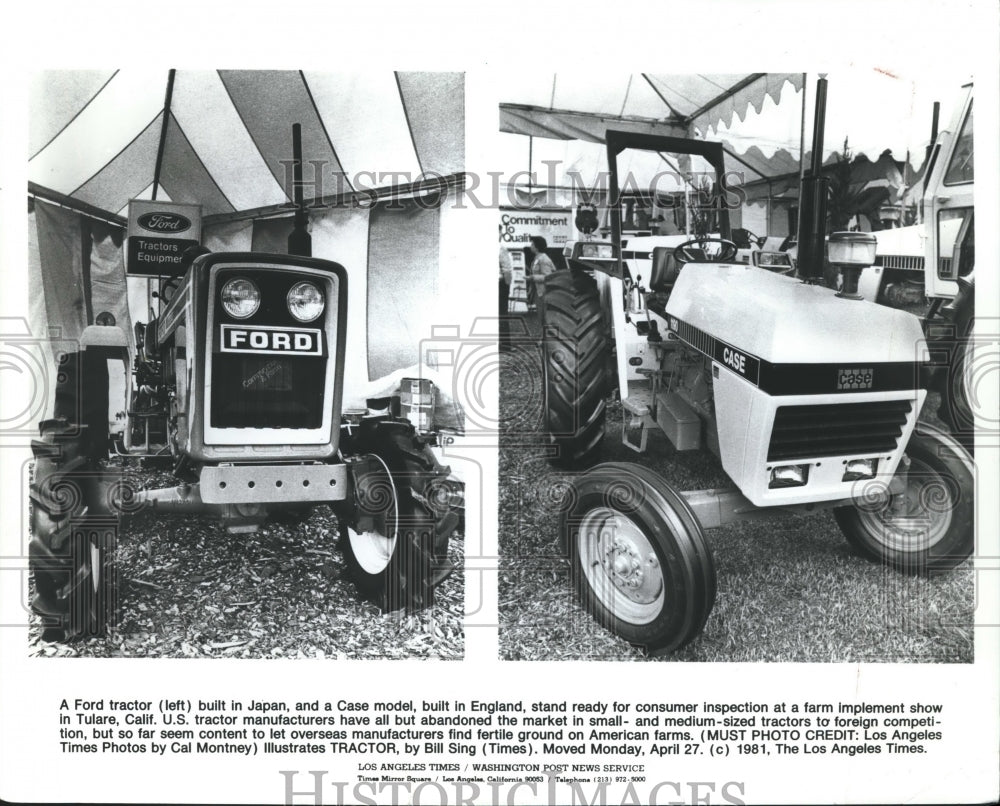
pixel 910 262
pixel 837 429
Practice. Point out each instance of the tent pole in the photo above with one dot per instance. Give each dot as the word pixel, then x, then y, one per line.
pixel 531 144
pixel 62 200
pixel 359 199
pixel 802 149
pixel 802 132
pixel 161 146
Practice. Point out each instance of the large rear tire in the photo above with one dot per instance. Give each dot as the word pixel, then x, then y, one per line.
pixel 928 527
pixel 574 366
pixel 396 545
pixel 73 537
pixel 74 506
pixel 639 558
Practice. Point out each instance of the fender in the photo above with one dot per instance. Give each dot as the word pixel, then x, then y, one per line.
pixel 103 336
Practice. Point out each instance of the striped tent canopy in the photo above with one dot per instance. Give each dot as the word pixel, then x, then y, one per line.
pixel 223 139
pixel 554 123
pixel 560 118
pixel 581 106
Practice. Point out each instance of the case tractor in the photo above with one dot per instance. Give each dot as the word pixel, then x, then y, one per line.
pixel 238 382
pixel 808 397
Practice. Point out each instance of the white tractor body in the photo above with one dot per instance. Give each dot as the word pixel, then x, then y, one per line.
pixel 801 378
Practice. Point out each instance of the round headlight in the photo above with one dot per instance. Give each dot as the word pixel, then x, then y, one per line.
pixel 305 301
pixel 240 298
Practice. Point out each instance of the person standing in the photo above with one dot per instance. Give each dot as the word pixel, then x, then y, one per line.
pixel 506 272
pixel 541 264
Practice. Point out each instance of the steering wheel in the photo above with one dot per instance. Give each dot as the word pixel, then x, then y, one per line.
pixel 693 251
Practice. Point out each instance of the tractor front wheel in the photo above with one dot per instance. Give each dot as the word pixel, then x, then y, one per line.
pixel 928 526
pixel 388 550
pixel 639 558
pixel 395 543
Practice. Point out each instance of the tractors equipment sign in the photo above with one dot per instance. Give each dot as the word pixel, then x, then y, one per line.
pixel 158 234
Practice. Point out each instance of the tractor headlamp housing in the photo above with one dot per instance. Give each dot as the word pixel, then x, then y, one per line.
pixel 598 251
pixel 858 469
pixel 789 476
pixel 772 260
pixel 305 301
pixel 240 298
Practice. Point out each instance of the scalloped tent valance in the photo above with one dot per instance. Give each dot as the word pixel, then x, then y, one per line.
pixel 757 116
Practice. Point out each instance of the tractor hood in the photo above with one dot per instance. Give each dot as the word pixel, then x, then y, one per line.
pixel 649 242
pixel 783 321
pixel 901 241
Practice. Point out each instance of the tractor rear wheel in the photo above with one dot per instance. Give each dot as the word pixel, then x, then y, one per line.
pixel 639 558
pixel 396 545
pixel 73 537
pixel 928 527
pixel 75 504
pixel 574 366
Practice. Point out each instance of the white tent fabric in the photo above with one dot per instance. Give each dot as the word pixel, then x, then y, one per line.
pixel 579 105
pixel 97 136
pixel 223 140
pixel 553 125
pixel 757 117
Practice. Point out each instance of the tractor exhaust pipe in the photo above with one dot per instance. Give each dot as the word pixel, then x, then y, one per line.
pixel 812 200
pixel 299 241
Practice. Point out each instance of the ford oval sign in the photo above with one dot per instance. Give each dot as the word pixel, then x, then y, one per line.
pixel 164 222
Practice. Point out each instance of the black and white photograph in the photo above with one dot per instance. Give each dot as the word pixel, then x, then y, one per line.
pixel 699 510
pixel 240 453
pixel 740 379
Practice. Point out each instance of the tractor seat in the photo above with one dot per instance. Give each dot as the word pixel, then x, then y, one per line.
pixel 145 340
pixel 665 270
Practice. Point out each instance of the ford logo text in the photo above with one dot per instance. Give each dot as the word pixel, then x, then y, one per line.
pixel 164 222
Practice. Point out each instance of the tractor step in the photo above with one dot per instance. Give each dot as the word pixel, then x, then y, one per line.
pixel 638 418
pixel 639 402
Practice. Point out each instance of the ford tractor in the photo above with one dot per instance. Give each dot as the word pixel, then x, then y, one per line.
pixel 808 398
pixel 238 383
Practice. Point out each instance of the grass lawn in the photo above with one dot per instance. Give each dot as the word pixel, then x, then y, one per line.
pixel 789 589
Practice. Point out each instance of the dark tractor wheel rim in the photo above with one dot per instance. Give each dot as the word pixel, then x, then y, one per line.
pixel 620 566
pixel 916 519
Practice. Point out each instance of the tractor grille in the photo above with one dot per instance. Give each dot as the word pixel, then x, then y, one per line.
pixel 837 429
pixel 909 262
pixel 266 391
